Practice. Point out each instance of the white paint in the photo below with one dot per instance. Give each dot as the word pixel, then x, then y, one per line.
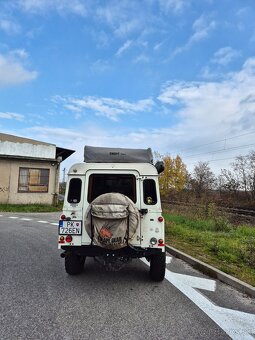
pixel 238 325
pixel 28 149
pixel 42 221
pixel 26 219
pixel 1 215
pixel 55 224
pixel 13 217
pixel 168 259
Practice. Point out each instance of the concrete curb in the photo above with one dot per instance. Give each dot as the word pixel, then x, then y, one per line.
pixel 213 272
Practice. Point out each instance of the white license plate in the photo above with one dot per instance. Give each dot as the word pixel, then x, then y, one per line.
pixel 70 227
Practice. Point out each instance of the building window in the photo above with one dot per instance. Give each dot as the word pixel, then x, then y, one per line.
pixel 33 180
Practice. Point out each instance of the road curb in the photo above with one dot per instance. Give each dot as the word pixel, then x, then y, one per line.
pixel 213 272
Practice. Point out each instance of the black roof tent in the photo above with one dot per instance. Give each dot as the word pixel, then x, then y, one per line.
pixel 94 154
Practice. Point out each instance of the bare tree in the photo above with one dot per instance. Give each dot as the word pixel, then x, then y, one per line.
pixel 202 179
pixel 228 182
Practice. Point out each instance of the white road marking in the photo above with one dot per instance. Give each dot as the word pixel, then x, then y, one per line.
pixel 168 259
pixel 42 221
pixel 13 217
pixel 238 325
pixel 26 219
pixel 1 215
pixel 54 223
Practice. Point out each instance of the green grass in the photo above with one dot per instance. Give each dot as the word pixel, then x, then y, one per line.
pixel 29 208
pixel 216 242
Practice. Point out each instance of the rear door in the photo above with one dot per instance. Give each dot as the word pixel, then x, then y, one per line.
pixel 127 183
pixel 151 208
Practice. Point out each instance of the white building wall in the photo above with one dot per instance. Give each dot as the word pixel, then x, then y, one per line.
pixel 27 150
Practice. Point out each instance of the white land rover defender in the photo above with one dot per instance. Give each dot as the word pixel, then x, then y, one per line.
pixel 112 211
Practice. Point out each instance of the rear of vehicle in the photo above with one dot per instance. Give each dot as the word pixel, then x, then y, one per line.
pixel 112 212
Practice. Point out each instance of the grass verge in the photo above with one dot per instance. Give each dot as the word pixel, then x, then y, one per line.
pixel 216 242
pixel 30 208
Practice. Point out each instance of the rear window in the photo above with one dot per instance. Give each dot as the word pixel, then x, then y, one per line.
pixel 105 183
pixel 149 192
pixel 74 192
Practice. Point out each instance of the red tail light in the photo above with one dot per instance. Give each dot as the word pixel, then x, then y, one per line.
pixel 63 217
pixel 160 219
pixel 69 238
pixel 161 242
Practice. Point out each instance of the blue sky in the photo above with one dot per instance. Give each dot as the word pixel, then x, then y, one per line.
pixel 174 75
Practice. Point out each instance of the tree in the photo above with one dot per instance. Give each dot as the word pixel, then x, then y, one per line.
pixel 174 176
pixel 244 169
pixel 229 182
pixel 202 178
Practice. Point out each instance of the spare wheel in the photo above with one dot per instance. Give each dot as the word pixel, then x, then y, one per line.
pixel 111 220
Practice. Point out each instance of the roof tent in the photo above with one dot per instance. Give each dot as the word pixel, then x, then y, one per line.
pixel 94 154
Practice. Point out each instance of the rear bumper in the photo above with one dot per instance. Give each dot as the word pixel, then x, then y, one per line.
pixel 129 252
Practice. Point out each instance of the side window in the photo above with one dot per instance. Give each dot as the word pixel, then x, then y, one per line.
pixel 149 192
pixel 74 192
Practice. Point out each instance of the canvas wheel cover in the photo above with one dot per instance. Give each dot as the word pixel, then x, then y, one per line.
pixel 112 220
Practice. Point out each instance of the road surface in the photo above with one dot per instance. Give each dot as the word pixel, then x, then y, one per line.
pixel 40 301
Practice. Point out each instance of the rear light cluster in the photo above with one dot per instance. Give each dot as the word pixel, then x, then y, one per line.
pixel 63 217
pixel 154 241
pixel 68 239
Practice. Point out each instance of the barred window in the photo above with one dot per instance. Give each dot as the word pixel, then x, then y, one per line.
pixel 33 180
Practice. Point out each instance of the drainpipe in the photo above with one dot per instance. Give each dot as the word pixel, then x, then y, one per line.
pixel 56 189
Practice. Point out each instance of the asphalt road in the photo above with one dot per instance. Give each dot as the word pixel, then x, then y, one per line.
pixel 40 301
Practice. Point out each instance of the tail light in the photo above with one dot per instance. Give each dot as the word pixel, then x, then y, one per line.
pixel 160 219
pixel 63 217
pixel 61 239
pixel 161 242
pixel 69 238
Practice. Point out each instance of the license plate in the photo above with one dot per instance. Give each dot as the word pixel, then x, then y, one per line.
pixel 70 227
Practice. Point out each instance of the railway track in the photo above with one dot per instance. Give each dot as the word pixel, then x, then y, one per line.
pixel 235 211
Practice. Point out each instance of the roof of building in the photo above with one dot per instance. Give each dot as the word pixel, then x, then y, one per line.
pixel 12 148
pixel 15 139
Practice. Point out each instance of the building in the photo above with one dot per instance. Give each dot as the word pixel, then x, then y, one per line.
pixel 29 170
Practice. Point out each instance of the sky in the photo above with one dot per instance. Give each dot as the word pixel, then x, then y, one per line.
pixel 174 75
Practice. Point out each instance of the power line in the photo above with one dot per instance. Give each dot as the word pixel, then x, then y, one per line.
pixel 220 140
pixel 220 150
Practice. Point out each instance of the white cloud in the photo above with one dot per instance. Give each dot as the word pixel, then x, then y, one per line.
pixel 225 55
pixel 202 27
pixel 13 70
pixel 106 107
pixel 175 6
pixel 9 26
pixel 124 48
pixel 209 111
pixel 11 115
pixel 142 58
pixel 100 66
pixel 61 6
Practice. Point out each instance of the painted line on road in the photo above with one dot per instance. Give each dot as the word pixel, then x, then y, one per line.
pixel 13 217
pixel 26 219
pixel 42 221
pixel 54 223
pixel 238 325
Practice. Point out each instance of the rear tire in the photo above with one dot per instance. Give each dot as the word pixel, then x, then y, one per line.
pixel 158 266
pixel 74 264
